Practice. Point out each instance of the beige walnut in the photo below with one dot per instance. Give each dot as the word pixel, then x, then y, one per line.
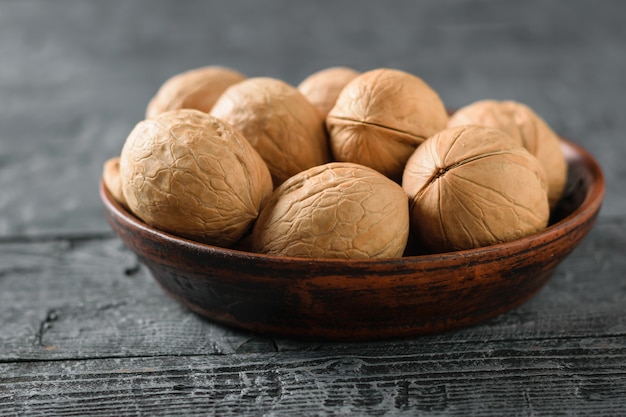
pixel 528 128
pixel 323 87
pixel 473 186
pixel 381 116
pixel 192 175
pixel 112 181
pixel 279 122
pixel 197 88
pixel 336 210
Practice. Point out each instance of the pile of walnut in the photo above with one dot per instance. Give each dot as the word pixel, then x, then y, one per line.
pixel 345 165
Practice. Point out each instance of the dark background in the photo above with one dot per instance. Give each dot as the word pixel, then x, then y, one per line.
pixel 75 76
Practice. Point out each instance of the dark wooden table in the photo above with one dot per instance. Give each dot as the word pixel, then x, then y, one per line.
pixel 84 330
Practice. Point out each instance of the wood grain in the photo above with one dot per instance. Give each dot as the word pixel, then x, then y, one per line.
pixel 573 377
pixel 73 87
pixel 90 298
pixel 114 308
pixel 113 344
pixel 84 330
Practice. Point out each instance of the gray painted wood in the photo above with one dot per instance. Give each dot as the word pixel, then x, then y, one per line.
pixel 76 76
pixel 84 330
pixel 566 380
pixel 84 299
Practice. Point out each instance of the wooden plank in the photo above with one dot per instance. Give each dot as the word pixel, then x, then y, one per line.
pixel 569 378
pixel 90 298
pixel 74 84
pixel 85 331
pixel 63 299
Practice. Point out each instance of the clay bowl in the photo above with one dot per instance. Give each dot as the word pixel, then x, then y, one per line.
pixel 353 300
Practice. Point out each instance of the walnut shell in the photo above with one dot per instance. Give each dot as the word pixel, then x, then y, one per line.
pixel 193 175
pixel 336 210
pixel 528 128
pixel 112 180
pixel 473 186
pixel 381 116
pixel 279 122
pixel 194 89
pixel 323 87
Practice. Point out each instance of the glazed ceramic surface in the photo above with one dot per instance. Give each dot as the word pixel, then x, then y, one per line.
pixel 365 299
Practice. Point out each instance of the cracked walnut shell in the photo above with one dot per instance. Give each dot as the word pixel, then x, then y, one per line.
pixel 472 186
pixel 192 175
pixel 381 116
pixel 336 210
pixel 198 89
pixel 280 123
pixel 528 128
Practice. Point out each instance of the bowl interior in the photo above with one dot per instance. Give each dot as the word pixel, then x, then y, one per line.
pixel 584 192
pixel 365 299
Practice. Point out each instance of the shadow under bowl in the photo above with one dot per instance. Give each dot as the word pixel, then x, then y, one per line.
pixel 351 300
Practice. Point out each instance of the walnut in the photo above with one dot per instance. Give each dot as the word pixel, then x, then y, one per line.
pixel 279 122
pixel 381 116
pixel 192 175
pixel 193 89
pixel 528 128
pixel 323 87
pixel 336 210
pixel 112 181
pixel 473 186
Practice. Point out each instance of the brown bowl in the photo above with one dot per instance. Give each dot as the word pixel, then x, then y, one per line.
pixel 365 299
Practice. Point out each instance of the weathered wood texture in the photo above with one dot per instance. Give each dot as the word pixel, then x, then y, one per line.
pixel 568 379
pixel 84 330
pixel 111 343
pixel 82 299
pixel 76 76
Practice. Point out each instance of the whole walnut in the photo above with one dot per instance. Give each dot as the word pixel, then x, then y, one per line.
pixel 528 128
pixel 473 186
pixel 193 175
pixel 279 122
pixel 381 116
pixel 323 87
pixel 112 181
pixel 198 89
pixel 336 210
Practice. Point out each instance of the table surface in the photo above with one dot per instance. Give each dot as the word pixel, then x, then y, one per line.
pixel 84 329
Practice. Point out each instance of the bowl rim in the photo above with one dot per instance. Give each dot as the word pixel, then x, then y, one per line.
pixel 589 207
